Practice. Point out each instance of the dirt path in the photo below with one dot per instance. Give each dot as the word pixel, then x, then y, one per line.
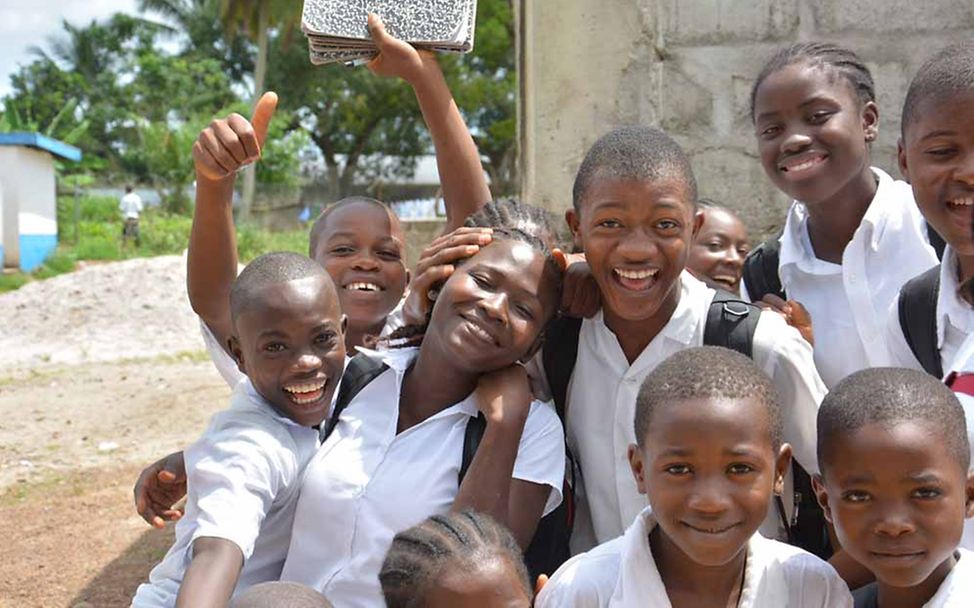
pixel 101 372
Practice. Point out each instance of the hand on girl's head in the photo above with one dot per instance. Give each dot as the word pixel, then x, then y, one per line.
pixel 435 266
pixel 504 395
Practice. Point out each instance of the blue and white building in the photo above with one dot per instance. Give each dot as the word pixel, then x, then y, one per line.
pixel 28 197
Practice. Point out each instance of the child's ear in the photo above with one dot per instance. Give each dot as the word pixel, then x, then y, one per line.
pixel 540 583
pixel 970 495
pixel 560 258
pixel 638 467
pixel 344 324
pixel 818 485
pixel 697 223
pixel 781 464
pixel 901 159
pixel 233 345
pixel 574 224
pixel 870 121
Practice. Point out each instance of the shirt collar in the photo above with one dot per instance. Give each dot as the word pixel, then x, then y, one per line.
pixel 795 248
pixel 951 307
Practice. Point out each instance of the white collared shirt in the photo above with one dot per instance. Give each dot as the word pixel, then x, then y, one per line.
pixel 848 303
pixel 955 321
pixel 368 483
pixel 963 362
pixel 622 573
pixel 602 400
pixel 243 476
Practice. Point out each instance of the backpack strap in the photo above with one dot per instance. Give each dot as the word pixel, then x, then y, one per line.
pixel 731 323
pixel 558 356
pixel 358 373
pixel 918 319
pixel 936 241
pixel 761 270
pixel 472 435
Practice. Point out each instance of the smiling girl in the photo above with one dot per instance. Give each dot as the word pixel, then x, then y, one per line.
pixel 853 235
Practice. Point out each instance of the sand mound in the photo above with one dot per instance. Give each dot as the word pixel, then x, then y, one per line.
pixel 105 312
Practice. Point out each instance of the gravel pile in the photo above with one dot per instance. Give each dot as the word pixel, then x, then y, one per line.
pixel 104 312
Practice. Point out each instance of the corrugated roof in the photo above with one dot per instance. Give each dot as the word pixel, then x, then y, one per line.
pixel 41 142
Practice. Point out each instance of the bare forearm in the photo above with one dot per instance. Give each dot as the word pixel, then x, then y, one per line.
pixel 465 188
pixel 212 258
pixel 212 575
pixel 487 485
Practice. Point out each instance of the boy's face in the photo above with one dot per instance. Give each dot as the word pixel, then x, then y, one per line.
pixel 361 247
pixel 936 155
pixel 495 585
pixel 291 346
pixel 636 236
pixel 718 251
pixel 709 469
pixel 492 309
pixel 897 499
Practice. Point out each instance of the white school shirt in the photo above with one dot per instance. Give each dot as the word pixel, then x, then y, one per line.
pixel 848 302
pixel 622 573
pixel 368 483
pixel 130 206
pixel 964 363
pixel 957 590
pixel 955 320
pixel 243 477
pixel 602 402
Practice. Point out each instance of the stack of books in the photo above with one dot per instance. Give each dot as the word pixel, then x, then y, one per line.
pixel 337 30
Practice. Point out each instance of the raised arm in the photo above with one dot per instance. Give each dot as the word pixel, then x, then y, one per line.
pixel 462 178
pixel 504 397
pixel 221 149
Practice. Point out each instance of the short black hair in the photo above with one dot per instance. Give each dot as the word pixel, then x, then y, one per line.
pixel 823 55
pixel 269 269
pixel 642 153
pixel 710 372
pixel 887 396
pixel 466 540
pixel 949 72
pixel 322 220
pixel 280 594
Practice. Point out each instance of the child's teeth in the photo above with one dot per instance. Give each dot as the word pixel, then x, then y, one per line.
pixel 637 274
pixel 966 202
pixel 362 287
pixel 305 388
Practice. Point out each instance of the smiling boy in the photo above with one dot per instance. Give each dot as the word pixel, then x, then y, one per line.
pixel 708 455
pixel 634 215
pixel 244 473
pixel 895 483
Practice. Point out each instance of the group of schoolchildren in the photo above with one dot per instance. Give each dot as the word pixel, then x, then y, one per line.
pixel 444 436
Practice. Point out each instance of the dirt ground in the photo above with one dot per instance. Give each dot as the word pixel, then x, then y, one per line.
pixel 101 372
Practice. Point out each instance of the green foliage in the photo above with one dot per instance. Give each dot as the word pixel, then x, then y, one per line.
pixel 12 281
pixel 253 241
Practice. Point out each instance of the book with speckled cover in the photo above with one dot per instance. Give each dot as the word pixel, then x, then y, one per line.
pixel 337 30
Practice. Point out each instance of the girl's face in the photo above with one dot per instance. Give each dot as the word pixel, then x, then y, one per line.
pixel 491 311
pixel 812 131
pixel 718 250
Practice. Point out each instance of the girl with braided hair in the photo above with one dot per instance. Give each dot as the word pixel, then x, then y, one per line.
pixel 454 560
pixel 395 453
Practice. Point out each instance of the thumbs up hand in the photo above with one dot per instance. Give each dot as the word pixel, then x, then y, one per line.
pixel 232 142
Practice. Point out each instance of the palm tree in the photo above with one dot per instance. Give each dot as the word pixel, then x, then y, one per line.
pixel 256 17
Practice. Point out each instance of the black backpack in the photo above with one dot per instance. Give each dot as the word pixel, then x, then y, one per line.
pixel 918 319
pixel 548 548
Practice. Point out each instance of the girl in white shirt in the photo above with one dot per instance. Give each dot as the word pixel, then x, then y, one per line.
pixel 394 456
pixel 853 235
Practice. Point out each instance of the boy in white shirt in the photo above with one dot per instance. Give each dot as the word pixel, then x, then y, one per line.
pixel 244 473
pixel 708 456
pixel 894 455
pixel 130 206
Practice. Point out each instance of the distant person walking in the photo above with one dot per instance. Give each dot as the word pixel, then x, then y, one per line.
pixel 131 206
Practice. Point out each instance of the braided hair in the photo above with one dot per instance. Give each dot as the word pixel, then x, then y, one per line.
pixel 466 541
pixel 509 219
pixel 822 55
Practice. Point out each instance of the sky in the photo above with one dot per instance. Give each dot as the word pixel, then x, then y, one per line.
pixel 30 22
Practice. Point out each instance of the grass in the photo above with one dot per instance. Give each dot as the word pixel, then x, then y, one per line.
pixel 99 238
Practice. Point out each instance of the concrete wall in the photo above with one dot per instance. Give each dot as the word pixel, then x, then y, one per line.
pixel 687 66
pixel 30 206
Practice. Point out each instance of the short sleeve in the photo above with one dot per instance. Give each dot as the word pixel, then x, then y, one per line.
pixel 581 582
pixel 541 453
pixel 899 351
pixel 234 475
pixel 222 360
pixel 782 353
